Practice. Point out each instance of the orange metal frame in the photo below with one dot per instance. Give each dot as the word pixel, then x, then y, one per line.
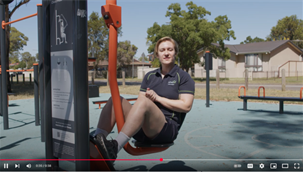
pixel 28 70
pixel 112 15
pixel 239 90
pixel 263 91
pixel 259 91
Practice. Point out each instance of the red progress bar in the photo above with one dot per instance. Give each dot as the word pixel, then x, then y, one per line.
pixel 161 159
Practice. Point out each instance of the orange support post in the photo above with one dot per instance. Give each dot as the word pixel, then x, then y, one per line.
pixel 240 90
pixel 301 93
pixel 112 16
pixel 259 91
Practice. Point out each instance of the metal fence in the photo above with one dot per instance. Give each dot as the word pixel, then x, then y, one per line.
pixel 275 74
pixel 236 73
pixel 129 73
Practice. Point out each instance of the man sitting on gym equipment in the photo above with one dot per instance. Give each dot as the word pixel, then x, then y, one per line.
pixel 165 94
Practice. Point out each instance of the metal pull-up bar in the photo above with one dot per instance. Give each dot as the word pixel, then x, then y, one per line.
pixel 7 23
pixel 23 18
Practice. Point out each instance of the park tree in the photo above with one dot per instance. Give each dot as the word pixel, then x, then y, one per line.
pixel 28 59
pixel 17 40
pixel 192 31
pixel 288 28
pixel 125 54
pixel 250 40
pixel 143 57
pixel 155 63
pixel 14 58
pixel 8 14
pixel 97 33
pixel 21 65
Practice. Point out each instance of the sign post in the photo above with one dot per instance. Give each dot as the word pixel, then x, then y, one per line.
pixel 66 81
pixel 208 66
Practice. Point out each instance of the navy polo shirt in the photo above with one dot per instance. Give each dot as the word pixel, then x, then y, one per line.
pixel 174 83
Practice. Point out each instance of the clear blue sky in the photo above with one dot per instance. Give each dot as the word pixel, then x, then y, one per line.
pixel 248 17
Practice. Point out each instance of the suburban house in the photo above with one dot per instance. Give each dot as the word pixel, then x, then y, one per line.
pixel 262 59
pixel 134 65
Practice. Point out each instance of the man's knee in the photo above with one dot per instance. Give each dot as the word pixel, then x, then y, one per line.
pixel 144 101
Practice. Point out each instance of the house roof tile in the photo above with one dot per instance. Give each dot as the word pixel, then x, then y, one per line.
pixel 256 47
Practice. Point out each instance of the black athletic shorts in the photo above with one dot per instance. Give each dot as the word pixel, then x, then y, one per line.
pixel 168 133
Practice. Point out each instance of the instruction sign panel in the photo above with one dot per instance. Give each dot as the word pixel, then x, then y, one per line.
pixel 62 90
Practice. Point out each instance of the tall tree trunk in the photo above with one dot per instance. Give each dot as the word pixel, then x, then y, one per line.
pixel 8 15
pixel 7 43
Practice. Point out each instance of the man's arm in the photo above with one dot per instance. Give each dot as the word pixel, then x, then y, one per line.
pixel 184 103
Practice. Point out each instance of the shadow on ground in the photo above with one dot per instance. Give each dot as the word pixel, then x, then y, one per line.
pixel 12 145
pixel 275 113
pixel 271 129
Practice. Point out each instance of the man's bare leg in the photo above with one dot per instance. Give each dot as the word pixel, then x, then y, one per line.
pixel 143 114
pixel 107 118
pixel 146 115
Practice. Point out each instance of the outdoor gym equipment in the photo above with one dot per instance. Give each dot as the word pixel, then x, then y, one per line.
pixel 3 98
pixel 112 16
pixel 36 91
pixel 66 82
pixel 208 66
pixel 280 99
pixel 65 105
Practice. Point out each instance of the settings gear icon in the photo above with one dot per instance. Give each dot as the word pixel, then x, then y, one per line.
pixel 261 165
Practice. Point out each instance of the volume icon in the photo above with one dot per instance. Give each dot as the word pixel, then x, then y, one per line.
pixel 29 166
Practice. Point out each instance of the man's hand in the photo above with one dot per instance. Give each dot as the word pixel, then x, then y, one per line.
pixel 151 95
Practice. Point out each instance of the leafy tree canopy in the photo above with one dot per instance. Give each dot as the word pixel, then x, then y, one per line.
pixel 17 40
pixel 126 53
pixel 14 58
pixel 21 65
pixel 143 57
pixel 28 59
pixel 192 31
pixel 288 28
pixel 250 40
pixel 98 37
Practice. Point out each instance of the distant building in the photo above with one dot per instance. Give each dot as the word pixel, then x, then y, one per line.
pixel 261 57
pixel 103 66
